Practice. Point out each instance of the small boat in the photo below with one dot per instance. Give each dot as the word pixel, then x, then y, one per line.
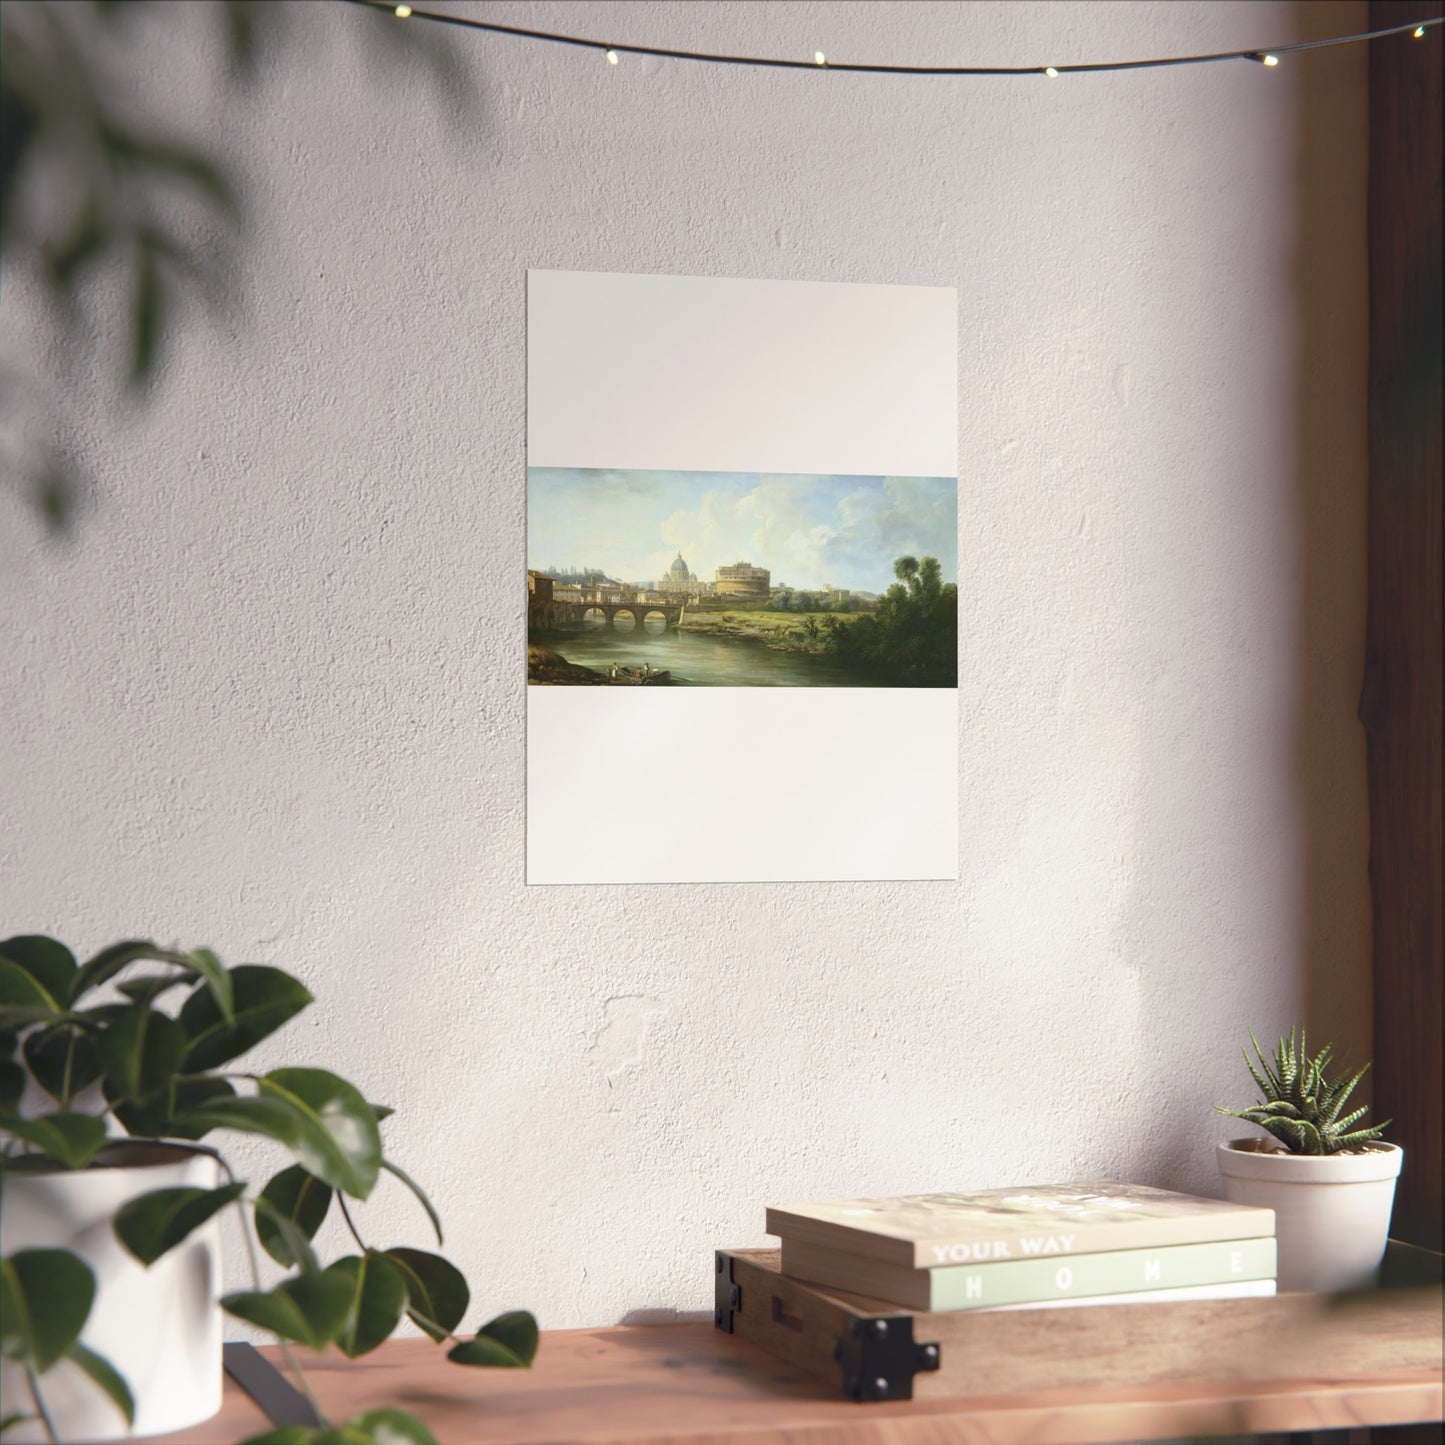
pixel 640 677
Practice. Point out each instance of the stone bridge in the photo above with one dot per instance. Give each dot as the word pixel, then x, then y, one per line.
pixel 670 612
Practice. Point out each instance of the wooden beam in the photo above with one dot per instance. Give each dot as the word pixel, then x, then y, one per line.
pixel 1400 703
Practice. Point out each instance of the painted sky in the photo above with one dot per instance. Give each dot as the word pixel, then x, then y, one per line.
pixel 807 530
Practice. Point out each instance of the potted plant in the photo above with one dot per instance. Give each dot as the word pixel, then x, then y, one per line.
pixel 113 1086
pixel 1331 1185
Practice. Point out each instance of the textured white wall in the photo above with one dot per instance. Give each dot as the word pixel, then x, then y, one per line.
pixel 271 697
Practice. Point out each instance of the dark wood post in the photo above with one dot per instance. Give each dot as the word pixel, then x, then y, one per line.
pixel 1400 703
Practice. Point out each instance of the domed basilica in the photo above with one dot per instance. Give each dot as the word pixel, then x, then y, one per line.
pixel 678 578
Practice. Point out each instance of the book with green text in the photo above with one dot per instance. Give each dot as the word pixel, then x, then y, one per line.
pixel 1035 1281
pixel 924 1231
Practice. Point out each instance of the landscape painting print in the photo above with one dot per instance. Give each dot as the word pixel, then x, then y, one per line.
pixel 743 587
pixel 641 578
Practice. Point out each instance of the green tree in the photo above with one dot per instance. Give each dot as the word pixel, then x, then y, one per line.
pixel 912 635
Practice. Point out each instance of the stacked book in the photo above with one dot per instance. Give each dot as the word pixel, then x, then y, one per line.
pixel 1031 1247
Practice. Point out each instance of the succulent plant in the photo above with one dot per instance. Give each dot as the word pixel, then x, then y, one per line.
pixel 1301 1108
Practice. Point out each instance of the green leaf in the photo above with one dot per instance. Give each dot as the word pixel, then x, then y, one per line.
pixel 141 1051
pixel 14 1323
pixel 296 1196
pixel 378 1296
pixel 416 1189
pixel 310 1310
pixel 148 315
pixel 186 1094
pixel 72 1139
pixel 332 1135
pixel 11 1421
pixel 382 1111
pixel 148 989
pixel 23 999
pixel 164 1116
pixel 263 999
pixel 151 1224
pixel 210 968
pixel 12 1086
pixel 87 238
pixel 437 1293
pixel 507 1342
pixel 179 161
pixel 109 962
pixel 63 1060
pixel 392 1427
pixel 1361 1136
pixel 341 1435
pixel 142 1121
pixel 269 1117
pixel 104 1374
pixel 340 1143
pixel 45 1299
pixel 284 1435
pixel 295 1243
pixel 50 964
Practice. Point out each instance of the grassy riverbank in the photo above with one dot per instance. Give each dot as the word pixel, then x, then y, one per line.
pixel 785 631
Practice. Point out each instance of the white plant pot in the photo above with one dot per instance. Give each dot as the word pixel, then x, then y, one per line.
pixel 1331 1211
pixel 160 1327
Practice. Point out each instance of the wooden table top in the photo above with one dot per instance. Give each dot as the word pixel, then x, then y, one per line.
pixel 692 1384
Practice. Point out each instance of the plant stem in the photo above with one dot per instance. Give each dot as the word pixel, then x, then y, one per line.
pixel 346 1215
pixel 292 1363
pixel 69 1067
pixel 39 1403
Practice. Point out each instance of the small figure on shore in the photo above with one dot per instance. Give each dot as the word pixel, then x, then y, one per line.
pixel 614 672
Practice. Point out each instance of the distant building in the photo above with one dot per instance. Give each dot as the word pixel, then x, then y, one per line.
pixel 541 614
pixel 742 579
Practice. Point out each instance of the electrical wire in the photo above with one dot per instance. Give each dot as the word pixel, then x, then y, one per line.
pixel 613 49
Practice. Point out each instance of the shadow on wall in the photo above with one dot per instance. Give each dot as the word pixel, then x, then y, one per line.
pixel 1322 891
pixel 1331 305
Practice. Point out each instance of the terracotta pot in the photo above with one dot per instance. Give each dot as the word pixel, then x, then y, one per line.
pixel 160 1327
pixel 1331 1211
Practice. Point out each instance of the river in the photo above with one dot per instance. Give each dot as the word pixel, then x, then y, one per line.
pixel 698 659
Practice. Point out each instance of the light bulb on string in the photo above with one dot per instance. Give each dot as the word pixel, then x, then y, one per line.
pixel 1260 57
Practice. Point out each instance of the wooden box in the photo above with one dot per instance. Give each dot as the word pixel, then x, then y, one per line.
pixel 871 1350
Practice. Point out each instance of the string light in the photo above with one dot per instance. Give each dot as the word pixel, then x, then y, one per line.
pixel 1260 56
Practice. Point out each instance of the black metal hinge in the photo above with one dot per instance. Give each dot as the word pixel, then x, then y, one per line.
pixel 880 1358
pixel 727 1296
pixel 280 1401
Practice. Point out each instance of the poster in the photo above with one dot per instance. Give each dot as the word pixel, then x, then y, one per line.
pixel 742 565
